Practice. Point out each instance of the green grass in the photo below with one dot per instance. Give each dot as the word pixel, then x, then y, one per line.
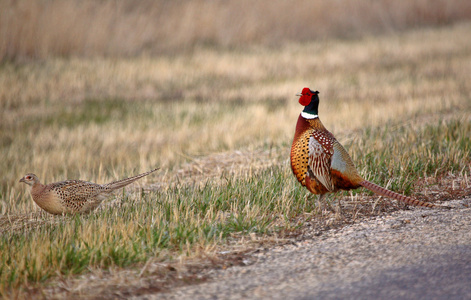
pixel 175 221
pixel 184 218
pixel 399 155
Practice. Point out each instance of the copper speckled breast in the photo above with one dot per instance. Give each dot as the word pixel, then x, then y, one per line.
pixel 300 156
pixel 300 148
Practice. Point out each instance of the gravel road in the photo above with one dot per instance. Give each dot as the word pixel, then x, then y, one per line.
pixel 412 254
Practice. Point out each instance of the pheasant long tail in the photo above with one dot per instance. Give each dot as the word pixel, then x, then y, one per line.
pixel 387 193
pixel 124 182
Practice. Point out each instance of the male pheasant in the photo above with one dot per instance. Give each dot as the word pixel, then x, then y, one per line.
pixel 73 196
pixel 319 161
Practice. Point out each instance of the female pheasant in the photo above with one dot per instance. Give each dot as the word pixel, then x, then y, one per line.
pixel 73 196
pixel 319 161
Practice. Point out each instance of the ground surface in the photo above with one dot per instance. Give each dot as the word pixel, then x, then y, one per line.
pixel 411 254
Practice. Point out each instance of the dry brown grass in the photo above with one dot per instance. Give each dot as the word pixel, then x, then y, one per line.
pixel 101 119
pixel 50 27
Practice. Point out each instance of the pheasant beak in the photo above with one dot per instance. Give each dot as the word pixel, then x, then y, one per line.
pixel 299 94
pixel 22 179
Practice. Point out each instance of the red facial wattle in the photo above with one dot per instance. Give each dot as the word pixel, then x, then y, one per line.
pixel 304 100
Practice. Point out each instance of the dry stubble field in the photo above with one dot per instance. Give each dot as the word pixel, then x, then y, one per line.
pixel 219 123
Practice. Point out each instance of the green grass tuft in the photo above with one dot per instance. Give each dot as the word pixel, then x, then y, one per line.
pixel 398 155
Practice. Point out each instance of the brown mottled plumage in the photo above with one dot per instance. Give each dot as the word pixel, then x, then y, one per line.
pixel 319 161
pixel 73 196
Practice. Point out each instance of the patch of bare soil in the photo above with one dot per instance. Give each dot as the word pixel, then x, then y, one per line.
pixel 14 223
pixel 228 164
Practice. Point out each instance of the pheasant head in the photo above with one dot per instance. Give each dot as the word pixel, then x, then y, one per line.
pixel 310 100
pixel 30 179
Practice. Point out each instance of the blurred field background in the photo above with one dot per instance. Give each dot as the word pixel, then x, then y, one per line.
pixel 101 90
pixel 46 28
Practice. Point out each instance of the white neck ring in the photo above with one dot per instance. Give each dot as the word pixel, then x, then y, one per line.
pixel 306 115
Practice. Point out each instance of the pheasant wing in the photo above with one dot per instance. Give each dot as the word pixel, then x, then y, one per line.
pixel 76 191
pixel 320 158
